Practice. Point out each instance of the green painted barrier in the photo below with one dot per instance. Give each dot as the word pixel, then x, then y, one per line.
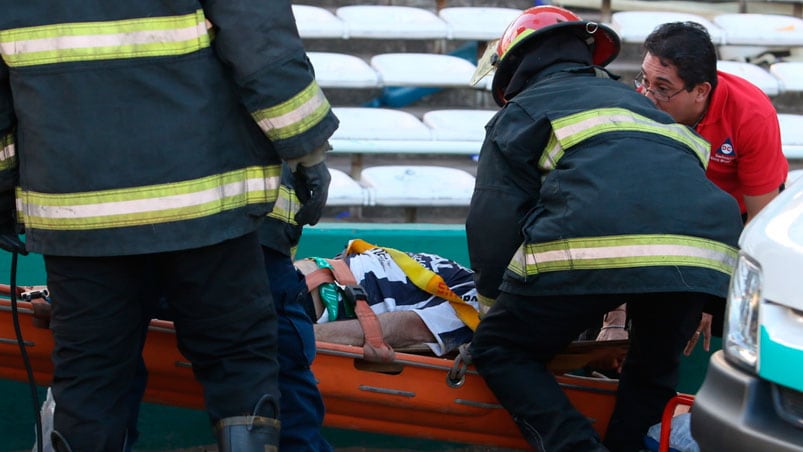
pixel 328 239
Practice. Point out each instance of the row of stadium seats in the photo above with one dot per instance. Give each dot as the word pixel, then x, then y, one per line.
pixel 402 22
pixel 448 131
pixel 387 131
pixel 731 31
pixel 339 70
pixel 739 36
pixel 371 131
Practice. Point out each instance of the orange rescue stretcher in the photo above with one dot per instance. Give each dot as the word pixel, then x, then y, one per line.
pixel 414 395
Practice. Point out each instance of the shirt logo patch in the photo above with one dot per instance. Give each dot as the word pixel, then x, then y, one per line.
pixel 725 153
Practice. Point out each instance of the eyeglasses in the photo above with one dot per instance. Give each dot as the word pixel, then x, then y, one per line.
pixel 660 94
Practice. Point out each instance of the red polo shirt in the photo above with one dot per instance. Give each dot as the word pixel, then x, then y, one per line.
pixel 742 126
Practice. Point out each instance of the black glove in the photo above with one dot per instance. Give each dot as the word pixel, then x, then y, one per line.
pixel 9 240
pixel 312 189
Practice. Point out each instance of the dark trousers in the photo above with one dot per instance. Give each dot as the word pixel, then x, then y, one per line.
pixel 301 408
pixel 519 335
pixel 225 325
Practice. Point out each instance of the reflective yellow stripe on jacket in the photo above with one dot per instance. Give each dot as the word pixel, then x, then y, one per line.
pixel 88 41
pixel 149 205
pixel 625 251
pixel 294 116
pixel 574 129
pixel 8 155
pixel 286 206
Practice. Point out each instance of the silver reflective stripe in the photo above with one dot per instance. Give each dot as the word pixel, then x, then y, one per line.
pixel 8 155
pixel 87 41
pixel 551 155
pixel 146 205
pixel 573 129
pixel 286 206
pixel 296 115
pixel 149 205
pixel 623 252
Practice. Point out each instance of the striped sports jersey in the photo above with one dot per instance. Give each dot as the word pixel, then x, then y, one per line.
pixel 389 290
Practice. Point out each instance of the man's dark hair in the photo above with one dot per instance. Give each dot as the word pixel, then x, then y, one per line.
pixel 687 46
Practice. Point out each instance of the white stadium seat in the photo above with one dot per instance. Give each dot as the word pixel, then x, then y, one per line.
pixel 423 70
pixel 791 135
pixel 479 23
pixel 345 191
pixel 390 131
pixel 634 26
pixel 771 30
pixel 317 22
pixel 790 75
pixel 750 35
pixel 458 125
pixel 338 70
pixel 391 22
pixel 418 185
pixel 359 123
pixel 753 73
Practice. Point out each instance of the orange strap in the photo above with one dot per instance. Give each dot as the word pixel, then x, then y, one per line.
pixel 318 277
pixel 375 349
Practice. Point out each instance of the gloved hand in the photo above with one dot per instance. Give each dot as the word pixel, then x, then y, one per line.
pixel 312 189
pixel 9 240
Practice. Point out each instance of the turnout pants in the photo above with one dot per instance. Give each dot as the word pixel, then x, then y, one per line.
pixel 225 326
pixel 520 334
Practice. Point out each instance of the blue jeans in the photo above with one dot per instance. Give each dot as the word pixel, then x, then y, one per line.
pixel 301 406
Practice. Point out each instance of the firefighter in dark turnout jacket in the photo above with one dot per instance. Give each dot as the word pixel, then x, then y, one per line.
pixel 587 196
pixel 143 140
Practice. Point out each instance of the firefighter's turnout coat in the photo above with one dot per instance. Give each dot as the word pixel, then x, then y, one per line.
pixel 149 126
pixel 584 187
pixel 280 231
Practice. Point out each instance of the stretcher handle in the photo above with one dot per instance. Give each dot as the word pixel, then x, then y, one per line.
pixel 666 418
pixel 5 289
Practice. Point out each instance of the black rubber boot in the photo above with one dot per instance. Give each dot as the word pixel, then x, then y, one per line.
pixel 249 433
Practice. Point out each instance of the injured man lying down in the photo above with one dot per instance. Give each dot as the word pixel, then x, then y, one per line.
pixel 422 298
pixel 410 312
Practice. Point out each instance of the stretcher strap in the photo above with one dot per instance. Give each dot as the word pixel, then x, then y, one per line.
pixel 375 349
pixel 424 279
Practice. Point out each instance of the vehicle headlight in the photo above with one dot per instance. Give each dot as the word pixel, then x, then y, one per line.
pixel 741 314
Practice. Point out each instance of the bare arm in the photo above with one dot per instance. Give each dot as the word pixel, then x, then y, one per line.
pixel 399 329
pixel 754 204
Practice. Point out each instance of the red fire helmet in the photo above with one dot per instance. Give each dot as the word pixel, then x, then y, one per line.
pixel 538 21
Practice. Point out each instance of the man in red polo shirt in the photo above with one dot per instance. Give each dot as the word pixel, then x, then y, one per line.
pixel 679 73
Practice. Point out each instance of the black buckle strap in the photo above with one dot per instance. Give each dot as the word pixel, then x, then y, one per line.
pixel 353 292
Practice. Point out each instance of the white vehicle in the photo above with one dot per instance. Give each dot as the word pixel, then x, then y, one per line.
pixel 752 396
